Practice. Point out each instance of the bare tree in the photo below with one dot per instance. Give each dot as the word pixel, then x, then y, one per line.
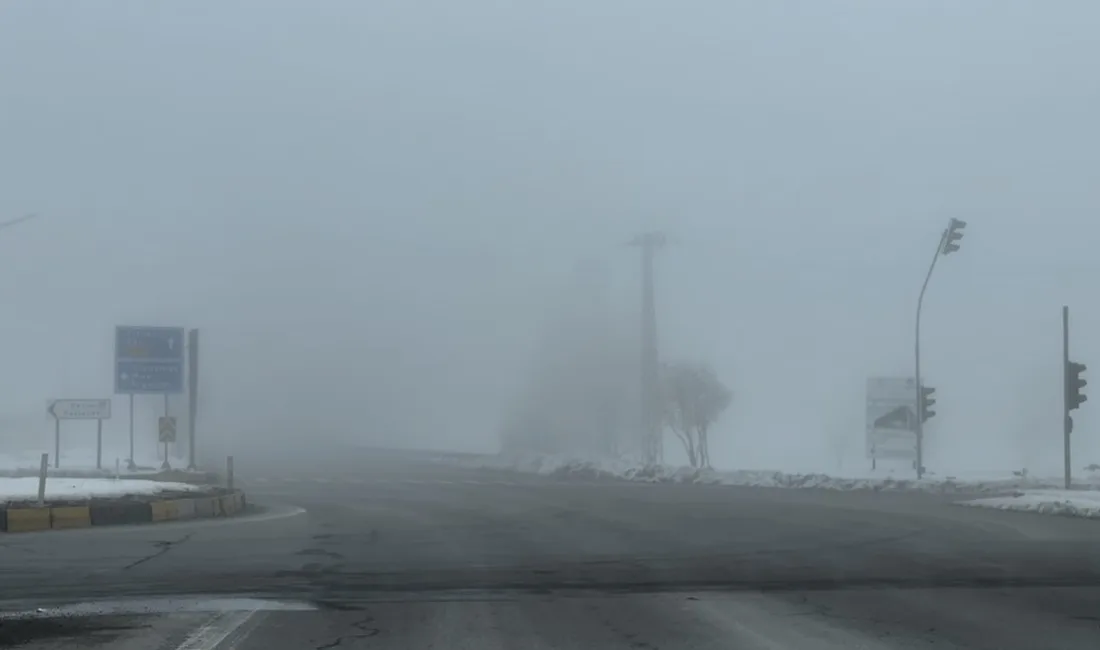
pixel 694 399
pixel 676 408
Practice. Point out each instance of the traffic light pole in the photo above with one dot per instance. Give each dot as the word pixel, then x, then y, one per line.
pixel 920 303
pixel 1067 423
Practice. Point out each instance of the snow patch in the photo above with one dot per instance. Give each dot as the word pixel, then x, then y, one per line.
pixel 26 489
pixel 73 460
pixel 1067 503
pixel 565 467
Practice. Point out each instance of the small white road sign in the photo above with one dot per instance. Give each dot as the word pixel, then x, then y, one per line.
pixel 167 428
pixel 80 409
pixel 892 418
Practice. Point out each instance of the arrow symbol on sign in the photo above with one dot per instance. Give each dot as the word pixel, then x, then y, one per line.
pixel 51 409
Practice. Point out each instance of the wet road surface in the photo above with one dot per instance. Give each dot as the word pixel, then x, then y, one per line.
pixel 408 552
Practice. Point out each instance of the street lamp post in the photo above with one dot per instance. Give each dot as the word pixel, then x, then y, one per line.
pixel 12 222
pixel 949 243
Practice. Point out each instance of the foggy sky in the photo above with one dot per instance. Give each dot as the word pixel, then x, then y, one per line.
pixel 366 206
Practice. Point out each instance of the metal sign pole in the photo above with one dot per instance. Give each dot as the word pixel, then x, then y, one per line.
pixel 99 443
pixel 166 430
pixel 56 442
pixel 164 465
pixel 166 442
pixel 192 394
pixel 131 464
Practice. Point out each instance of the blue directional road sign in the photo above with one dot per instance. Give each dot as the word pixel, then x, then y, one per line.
pixel 149 360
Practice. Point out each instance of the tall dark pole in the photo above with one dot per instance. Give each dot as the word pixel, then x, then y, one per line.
pixel 192 393
pixel 131 464
pixel 920 303
pixel 1067 423
pixel 650 380
pixel 165 464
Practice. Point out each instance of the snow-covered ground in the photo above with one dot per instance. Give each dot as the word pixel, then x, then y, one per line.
pixel 614 469
pixel 23 489
pixel 1071 503
pixel 72 459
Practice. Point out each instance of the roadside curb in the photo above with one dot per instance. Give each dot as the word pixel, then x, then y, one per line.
pixel 121 511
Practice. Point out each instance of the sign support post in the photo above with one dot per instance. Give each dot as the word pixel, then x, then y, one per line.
pixel 56 442
pixel 130 463
pixel 192 394
pixel 99 443
pixel 166 433
pixel 165 465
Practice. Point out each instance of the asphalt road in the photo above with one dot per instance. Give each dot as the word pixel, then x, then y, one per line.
pixel 392 551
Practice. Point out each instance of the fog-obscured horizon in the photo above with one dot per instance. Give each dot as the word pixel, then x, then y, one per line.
pixel 393 221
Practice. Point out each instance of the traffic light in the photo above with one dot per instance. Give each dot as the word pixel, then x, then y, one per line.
pixel 927 399
pixel 954 234
pixel 1074 383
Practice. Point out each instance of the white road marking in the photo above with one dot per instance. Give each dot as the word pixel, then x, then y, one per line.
pixel 216 630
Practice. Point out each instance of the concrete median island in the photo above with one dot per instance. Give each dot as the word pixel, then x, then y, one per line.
pixel 110 503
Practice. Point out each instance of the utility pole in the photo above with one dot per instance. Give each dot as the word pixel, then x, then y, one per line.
pixel 949 243
pixel 650 380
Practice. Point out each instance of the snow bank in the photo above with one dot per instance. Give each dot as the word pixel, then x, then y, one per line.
pixel 1069 503
pixel 24 489
pixel 614 469
pixel 76 459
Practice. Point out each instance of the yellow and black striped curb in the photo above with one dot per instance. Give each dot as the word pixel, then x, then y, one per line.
pixel 25 518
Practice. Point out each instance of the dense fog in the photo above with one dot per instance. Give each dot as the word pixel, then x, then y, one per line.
pixel 407 223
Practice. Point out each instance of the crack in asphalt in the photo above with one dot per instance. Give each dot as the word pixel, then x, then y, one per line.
pixel 320 551
pixel 365 632
pixel 162 547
